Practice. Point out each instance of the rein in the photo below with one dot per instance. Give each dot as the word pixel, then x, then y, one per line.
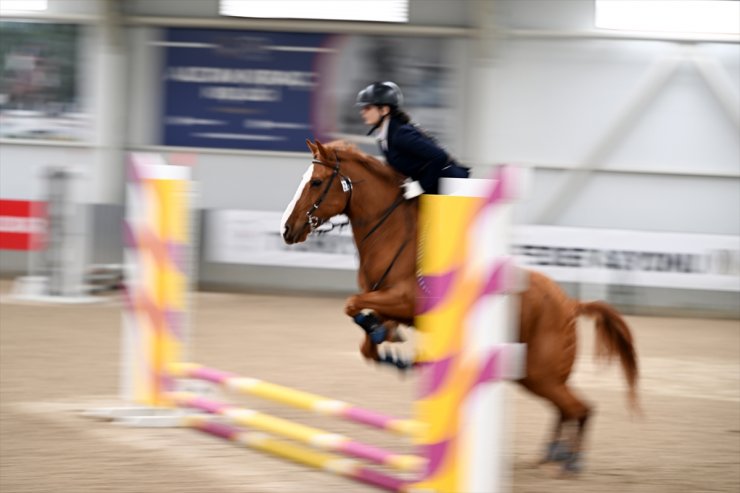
pixel 377 284
pixel 386 215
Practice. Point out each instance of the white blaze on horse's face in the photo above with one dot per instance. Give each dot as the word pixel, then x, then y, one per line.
pixel 322 194
pixel 299 191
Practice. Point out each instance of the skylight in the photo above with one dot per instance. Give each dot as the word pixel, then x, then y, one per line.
pixel 22 5
pixel 348 10
pixel 674 16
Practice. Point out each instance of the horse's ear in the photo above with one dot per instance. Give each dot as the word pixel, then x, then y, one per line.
pixel 312 147
pixel 321 148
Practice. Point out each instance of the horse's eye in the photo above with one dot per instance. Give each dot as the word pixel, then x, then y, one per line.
pixel 316 182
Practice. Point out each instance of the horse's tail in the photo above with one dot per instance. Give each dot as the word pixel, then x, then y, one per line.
pixel 613 338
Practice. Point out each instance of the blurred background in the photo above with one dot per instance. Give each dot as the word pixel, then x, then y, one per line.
pixel 631 136
pixel 625 121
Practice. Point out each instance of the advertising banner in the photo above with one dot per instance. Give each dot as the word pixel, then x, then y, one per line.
pixel 578 255
pixel 253 237
pixel 22 225
pixel 631 258
pixel 237 89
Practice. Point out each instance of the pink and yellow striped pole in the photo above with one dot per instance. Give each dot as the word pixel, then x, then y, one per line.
pixel 466 336
pixel 328 462
pixel 157 240
pixel 317 438
pixel 296 398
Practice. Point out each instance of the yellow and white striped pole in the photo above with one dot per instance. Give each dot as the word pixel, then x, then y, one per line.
pixel 157 258
pixel 467 339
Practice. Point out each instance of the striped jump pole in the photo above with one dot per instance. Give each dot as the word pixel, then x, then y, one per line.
pixel 315 437
pixel 464 320
pixel 296 398
pixel 157 236
pixel 328 462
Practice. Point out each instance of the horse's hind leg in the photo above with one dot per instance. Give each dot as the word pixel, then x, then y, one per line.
pixel 570 410
pixel 573 463
pixel 556 451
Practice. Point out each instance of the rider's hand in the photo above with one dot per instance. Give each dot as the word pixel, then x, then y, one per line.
pixel 411 189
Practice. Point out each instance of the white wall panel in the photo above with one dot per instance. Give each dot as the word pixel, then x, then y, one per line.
pixel 644 202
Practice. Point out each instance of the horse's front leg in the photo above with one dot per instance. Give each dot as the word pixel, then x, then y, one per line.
pixel 389 304
pixel 394 304
pixel 381 323
pixel 369 348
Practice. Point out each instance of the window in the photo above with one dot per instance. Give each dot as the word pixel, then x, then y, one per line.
pixel 682 16
pixel 22 5
pixel 348 10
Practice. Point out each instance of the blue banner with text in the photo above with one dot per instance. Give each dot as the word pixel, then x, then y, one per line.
pixel 241 89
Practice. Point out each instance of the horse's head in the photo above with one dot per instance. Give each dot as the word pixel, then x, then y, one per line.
pixel 323 193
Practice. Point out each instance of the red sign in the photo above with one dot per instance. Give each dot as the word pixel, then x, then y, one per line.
pixel 22 225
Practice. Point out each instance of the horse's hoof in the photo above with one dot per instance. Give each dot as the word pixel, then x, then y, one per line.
pixel 557 452
pixel 573 465
pixel 402 365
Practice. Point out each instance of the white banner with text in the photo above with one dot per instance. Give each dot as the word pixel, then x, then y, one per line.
pixel 578 255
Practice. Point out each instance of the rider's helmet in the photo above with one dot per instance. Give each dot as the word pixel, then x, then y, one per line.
pixel 380 94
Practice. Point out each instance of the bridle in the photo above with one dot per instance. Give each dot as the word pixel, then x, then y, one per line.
pixel 313 221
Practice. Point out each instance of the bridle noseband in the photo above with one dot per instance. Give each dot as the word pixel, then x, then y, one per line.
pixel 313 221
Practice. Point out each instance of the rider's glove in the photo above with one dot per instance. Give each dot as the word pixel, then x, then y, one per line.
pixel 411 189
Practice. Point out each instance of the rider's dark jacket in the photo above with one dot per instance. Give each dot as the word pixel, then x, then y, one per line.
pixel 419 157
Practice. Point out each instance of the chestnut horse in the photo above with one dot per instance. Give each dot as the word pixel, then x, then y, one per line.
pixel 343 180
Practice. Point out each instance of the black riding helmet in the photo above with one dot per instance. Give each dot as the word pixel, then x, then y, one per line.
pixel 380 94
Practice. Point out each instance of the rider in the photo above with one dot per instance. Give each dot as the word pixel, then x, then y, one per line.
pixel 407 148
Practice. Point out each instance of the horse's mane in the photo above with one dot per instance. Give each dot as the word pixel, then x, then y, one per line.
pixel 347 151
